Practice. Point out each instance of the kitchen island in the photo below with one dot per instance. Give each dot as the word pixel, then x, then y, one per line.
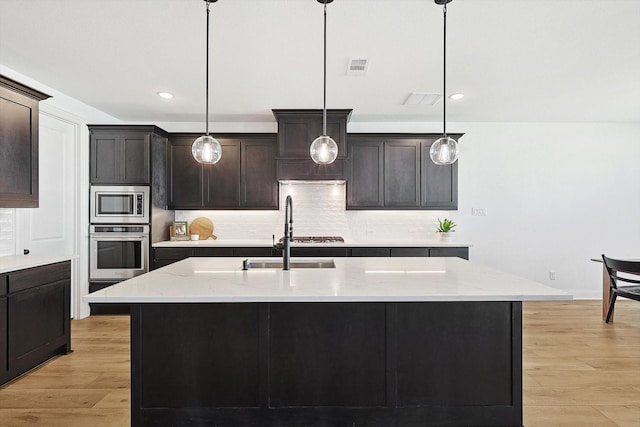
pixel 371 342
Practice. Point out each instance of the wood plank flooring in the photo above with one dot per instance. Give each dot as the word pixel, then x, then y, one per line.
pixel 578 372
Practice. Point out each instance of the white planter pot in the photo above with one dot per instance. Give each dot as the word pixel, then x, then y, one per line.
pixel 445 237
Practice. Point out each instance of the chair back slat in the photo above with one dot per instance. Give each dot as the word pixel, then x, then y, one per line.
pixel 615 266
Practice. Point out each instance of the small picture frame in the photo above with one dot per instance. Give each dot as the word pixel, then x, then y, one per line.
pixel 179 230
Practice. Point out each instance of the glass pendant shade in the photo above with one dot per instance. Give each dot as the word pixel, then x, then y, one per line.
pixel 444 151
pixel 206 149
pixel 324 150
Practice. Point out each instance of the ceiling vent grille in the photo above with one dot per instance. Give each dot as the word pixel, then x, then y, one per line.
pixel 357 67
pixel 422 98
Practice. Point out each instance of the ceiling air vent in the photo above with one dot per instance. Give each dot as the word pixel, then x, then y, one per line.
pixel 357 67
pixel 422 98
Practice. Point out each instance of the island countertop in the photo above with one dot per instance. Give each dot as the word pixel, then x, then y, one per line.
pixel 213 280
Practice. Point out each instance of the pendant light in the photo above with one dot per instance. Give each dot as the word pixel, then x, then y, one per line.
pixel 207 149
pixel 444 151
pixel 324 149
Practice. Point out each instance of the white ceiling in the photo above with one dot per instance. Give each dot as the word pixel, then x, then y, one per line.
pixel 516 60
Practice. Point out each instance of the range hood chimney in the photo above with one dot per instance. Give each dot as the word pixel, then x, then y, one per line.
pixel 296 128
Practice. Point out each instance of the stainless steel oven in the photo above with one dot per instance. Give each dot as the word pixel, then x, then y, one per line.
pixel 119 204
pixel 118 252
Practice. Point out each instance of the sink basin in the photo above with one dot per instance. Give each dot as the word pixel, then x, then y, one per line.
pixel 277 263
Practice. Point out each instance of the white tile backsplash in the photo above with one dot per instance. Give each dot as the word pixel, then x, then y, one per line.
pixel 7 232
pixel 320 210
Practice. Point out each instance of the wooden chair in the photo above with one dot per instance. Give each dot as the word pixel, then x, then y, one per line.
pixel 629 268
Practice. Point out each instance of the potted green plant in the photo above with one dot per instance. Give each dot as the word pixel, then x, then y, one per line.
pixel 445 228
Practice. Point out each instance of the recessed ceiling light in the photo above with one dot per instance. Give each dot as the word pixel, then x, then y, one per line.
pixel 165 95
pixel 456 96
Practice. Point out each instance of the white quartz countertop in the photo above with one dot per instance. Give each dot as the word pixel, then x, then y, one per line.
pixel 20 262
pixel 269 243
pixel 197 280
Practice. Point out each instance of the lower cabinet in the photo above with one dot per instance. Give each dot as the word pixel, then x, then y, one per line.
pixel 34 318
pixel 166 256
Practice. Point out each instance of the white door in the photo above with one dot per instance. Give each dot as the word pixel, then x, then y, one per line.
pixel 51 229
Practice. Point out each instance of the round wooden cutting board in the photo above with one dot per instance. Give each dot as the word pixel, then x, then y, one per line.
pixel 203 227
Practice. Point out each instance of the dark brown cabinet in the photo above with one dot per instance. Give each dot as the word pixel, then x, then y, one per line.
pixel 402 174
pixel 166 256
pixel 18 144
pixel 4 365
pixel 438 183
pixel 222 180
pixel 394 171
pixel 34 317
pixel 244 178
pixel 121 154
pixel 365 186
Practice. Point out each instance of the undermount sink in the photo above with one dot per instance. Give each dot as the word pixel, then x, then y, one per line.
pixel 277 263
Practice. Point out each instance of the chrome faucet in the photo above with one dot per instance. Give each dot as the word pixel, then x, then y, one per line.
pixel 288 235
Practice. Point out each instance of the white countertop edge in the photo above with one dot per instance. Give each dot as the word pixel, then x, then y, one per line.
pixel 262 243
pixel 9 264
pixel 309 299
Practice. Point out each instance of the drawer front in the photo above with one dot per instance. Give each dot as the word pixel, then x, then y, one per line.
pixel 38 276
pixel 319 252
pixel 263 252
pixel 450 252
pixel 214 252
pixel 172 253
pixel 370 252
pixel 410 252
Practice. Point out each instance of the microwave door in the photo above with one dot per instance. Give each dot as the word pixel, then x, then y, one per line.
pixel 115 204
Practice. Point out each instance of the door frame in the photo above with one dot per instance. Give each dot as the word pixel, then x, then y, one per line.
pixel 80 209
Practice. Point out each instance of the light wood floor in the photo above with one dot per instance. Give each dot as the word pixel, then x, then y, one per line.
pixel 577 372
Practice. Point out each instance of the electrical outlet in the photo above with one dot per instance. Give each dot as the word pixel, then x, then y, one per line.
pixel 478 211
pixel 552 275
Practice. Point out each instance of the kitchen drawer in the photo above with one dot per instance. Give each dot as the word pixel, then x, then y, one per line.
pixel 319 252
pixel 265 252
pixel 213 252
pixel 37 276
pixel 409 252
pixel 450 252
pixel 172 253
pixel 3 284
pixel 370 252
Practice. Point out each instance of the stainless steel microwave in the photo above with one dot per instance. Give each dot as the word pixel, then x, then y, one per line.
pixel 119 204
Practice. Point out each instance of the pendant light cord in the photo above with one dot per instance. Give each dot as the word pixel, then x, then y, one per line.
pixel 444 74
pixel 324 105
pixel 207 76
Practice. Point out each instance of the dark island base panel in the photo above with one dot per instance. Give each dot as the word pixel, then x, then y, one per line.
pixel 327 364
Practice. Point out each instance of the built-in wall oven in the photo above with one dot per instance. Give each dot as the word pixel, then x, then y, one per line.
pixel 118 251
pixel 118 204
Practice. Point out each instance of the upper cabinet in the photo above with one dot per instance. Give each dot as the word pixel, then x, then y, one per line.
pixel 296 131
pixel 121 154
pixel 244 178
pixel 18 144
pixel 394 171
